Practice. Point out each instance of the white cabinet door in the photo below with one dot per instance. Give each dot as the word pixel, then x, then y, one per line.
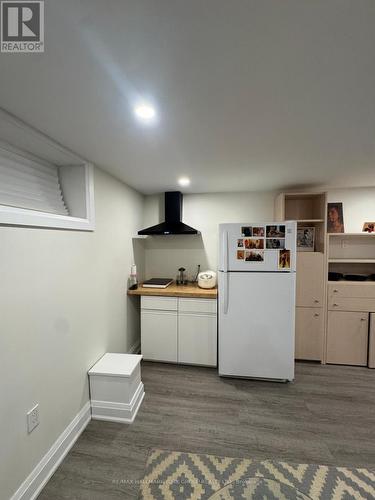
pixel 197 339
pixel 159 335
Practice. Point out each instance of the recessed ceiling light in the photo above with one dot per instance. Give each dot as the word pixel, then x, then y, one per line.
pixel 145 113
pixel 184 181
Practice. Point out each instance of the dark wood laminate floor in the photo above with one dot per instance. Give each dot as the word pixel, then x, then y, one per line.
pixel 326 416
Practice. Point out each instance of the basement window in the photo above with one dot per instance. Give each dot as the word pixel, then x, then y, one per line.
pixel 34 192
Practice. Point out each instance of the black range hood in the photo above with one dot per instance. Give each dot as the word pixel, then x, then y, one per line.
pixel 173 215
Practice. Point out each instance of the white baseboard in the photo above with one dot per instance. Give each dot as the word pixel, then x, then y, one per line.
pixel 38 478
pixel 118 412
pixel 135 348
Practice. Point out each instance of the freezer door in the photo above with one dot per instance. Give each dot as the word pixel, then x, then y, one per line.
pixel 258 247
pixel 256 325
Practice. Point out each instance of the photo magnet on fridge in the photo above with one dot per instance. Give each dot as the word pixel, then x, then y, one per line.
pixel 275 231
pixel 246 231
pixel 284 259
pixel 275 244
pixel 254 256
pixel 258 231
pixel 254 243
pixel 240 254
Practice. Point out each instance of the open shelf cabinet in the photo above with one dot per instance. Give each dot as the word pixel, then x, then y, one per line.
pixel 308 209
pixel 351 253
pixel 301 206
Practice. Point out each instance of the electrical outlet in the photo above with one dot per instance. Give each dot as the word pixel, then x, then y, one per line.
pixel 32 418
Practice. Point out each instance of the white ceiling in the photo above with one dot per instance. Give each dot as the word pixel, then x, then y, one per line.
pixel 252 94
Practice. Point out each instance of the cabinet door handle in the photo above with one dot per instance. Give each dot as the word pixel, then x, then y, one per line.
pixel 335 305
pixel 316 301
pixel 363 319
pixel 335 291
pixel 316 315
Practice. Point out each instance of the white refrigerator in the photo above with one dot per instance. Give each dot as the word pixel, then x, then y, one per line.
pixel 257 282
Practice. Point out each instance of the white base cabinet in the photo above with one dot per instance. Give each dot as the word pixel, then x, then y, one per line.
pixel 197 339
pixel 181 330
pixel 159 335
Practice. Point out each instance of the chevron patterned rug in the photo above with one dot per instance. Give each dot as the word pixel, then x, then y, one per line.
pixel 179 476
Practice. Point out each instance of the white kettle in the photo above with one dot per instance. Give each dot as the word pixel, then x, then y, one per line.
pixel 207 279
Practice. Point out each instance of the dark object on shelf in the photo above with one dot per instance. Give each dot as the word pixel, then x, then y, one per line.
pixel 372 277
pixel 356 277
pixel 335 276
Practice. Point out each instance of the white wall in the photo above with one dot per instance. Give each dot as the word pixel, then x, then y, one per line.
pixel 165 254
pixel 358 206
pixel 63 304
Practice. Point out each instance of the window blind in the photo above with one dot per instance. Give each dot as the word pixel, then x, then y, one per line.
pixel 28 184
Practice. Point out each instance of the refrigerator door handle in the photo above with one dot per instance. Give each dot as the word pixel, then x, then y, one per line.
pixel 225 293
pixel 224 248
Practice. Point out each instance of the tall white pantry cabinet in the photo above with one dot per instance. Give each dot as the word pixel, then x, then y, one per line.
pixel 179 330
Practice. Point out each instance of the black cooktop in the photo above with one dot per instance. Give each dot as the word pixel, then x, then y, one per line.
pixel 157 283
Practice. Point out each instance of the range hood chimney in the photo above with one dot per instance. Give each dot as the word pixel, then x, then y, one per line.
pixel 173 218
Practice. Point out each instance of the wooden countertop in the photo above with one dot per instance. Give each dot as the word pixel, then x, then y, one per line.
pixel 173 290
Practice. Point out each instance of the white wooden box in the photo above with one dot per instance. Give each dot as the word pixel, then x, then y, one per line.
pixel 116 389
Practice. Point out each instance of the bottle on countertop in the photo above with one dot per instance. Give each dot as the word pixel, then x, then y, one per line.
pixel 195 279
pixel 133 281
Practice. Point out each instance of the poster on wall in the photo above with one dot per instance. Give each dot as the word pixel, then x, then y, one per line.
pixel 335 218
